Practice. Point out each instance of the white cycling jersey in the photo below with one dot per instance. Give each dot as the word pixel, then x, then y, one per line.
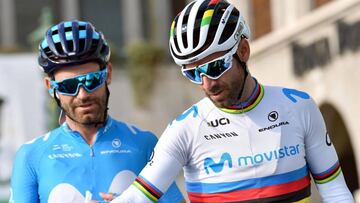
pixel 264 152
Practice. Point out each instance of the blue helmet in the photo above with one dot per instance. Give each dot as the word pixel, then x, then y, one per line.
pixel 72 43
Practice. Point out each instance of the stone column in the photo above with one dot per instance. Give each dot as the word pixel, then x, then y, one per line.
pixel 7 23
pixel 131 11
pixel 70 9
pixel 161 22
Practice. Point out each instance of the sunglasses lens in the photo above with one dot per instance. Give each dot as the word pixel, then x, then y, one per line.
pixel 214 69
pixel 193 75
pixel 68 86
pixel 89 81
pixel 93 81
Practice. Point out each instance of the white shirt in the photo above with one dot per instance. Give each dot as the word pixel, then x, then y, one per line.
pixel 266 151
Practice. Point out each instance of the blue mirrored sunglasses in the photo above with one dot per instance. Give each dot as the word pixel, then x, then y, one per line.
pixel 213 69
pixel 70 86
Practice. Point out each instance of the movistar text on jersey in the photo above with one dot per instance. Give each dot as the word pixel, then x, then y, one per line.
pixel 217 167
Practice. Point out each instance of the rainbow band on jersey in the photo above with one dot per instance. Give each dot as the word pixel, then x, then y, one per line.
pixel 149 190
pixel 293 186
pixel 305 200
pixel 328 175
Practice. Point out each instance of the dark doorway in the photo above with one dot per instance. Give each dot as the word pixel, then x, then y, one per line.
pixel 340 137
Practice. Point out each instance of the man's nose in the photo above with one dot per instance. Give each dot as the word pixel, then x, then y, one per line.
pixel 82 92
pixel 207 83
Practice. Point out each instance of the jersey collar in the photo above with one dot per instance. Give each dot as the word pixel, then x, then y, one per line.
pixel 101 130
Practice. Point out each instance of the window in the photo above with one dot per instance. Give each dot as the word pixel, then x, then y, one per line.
pixel 261 18
pixel 318 3
pixel 106 17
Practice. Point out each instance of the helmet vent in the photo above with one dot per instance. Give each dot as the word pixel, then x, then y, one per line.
pixel 176 44
pixel 48 52
pixel 175 34
pixel 184 27
pixel 70 45
pixel 81 44
pixel 94 45
pixel 197 25
pixel 67 29
pixel 59 48
pixel 184 38
pixel 230 26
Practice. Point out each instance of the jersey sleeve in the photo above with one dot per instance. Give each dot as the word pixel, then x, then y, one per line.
pixel 159 174
pixel 322 158
pixel 23 180
pixel 154 180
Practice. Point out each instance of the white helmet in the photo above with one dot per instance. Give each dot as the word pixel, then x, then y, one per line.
pixel 205 27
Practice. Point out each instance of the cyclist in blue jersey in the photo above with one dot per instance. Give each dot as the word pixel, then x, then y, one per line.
pixel 244 142
pixel 90 152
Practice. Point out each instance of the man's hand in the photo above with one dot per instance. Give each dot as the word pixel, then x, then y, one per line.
pixel 107 197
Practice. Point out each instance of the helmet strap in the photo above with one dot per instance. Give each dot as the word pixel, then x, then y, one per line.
pixel 246 73
pixel 106 103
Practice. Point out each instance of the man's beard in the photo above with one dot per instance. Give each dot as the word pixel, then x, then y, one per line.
pixel 231 97
pixel 230 100
pixel 93 117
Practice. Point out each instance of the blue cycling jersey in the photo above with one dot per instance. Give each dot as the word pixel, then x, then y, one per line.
pixel 61 167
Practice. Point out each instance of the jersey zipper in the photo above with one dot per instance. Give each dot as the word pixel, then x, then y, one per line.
pixel 92 167
pixel 92 164
pixel 91 151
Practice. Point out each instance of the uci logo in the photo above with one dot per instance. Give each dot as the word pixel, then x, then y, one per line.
pixel 217 122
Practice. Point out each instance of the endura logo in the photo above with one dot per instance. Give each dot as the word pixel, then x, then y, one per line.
pixel 257 159
pixel 273 126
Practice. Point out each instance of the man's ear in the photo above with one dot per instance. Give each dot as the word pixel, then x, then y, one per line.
pixel 49 86
pixel 109 73
pixel 244 50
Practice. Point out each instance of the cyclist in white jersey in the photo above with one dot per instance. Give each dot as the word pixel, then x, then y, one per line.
pixel 244 142
pixel 90 152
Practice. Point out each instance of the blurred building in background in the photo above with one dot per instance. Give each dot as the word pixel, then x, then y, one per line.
pixel 311 45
